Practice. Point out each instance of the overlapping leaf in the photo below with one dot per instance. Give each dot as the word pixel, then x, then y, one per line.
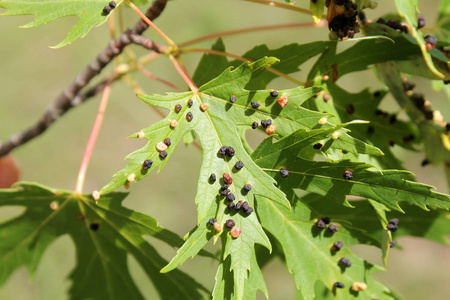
pixel 294 116
pixel 90 13
pixel 309 254
pixel 103 235
pixel 433 225
pixel 364 105
pixel 434 136
pixel 326 178
pixel 216 127
pixel 407 10
pixel 350 60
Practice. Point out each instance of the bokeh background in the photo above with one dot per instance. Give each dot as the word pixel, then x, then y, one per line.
pixel 32 75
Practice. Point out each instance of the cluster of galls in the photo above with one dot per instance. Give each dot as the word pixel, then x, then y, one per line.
pixel 356 287
pixel 341 18
pixel 343 261
pixel 229 197
pixel 394 24
pixel 228 151
pixel 430 41
pixel 392 226
pixel 424 105
pixel 107 9
pixel 267 124
pixel 322 224
pixel 162 146
pixel 235 230
pixel 391 119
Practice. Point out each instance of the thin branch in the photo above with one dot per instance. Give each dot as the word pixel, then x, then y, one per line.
pixel 146 43
pixel 153 77
pixel 93 136
pixel 64 101
pixel 186 77
pixel 251 29
pixel 282 5
pixel 150 23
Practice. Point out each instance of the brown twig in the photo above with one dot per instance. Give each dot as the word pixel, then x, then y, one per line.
pixel 66 99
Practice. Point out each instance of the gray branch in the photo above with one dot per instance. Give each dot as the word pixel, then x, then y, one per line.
pixel 71 96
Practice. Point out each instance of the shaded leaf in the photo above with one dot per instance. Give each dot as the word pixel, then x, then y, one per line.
pixel 433 225
pixel 350 60
pixel 363 105
pixel 103 235
pixel 210 65
pixel 434 136
pixel 327 178
pixel 309 254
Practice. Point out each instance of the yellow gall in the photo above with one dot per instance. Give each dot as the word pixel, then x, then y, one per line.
pixel 283 100
pixel 141 135
pixel 160 146
pixel 204 106
pixel 325 77
pixel 359 286
pixel 335 135
pixel 173 123
pixel 217 226
pixel 131 177
pixel 271 129
pixel 323 121
pixel 235 232
pixel 96 195
pixel 437 116
pixel 54 205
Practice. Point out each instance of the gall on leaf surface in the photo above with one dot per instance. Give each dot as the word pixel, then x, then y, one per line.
pixel 365 105
pixel 388 187
pixel 433 225
pixel 90 13
pixel 295 116
pixel 103 235
pixel 218 126
pixel 308 250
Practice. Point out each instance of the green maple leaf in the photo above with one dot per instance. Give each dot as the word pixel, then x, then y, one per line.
pixel 346 107
pixel 309 254
pixel 433 225
pixel 90 13
pixel 218 126
pixel 326 178
pixel 215 128
pixel 103 234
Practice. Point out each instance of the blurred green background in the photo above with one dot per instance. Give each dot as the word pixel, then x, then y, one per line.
pixel 32 75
